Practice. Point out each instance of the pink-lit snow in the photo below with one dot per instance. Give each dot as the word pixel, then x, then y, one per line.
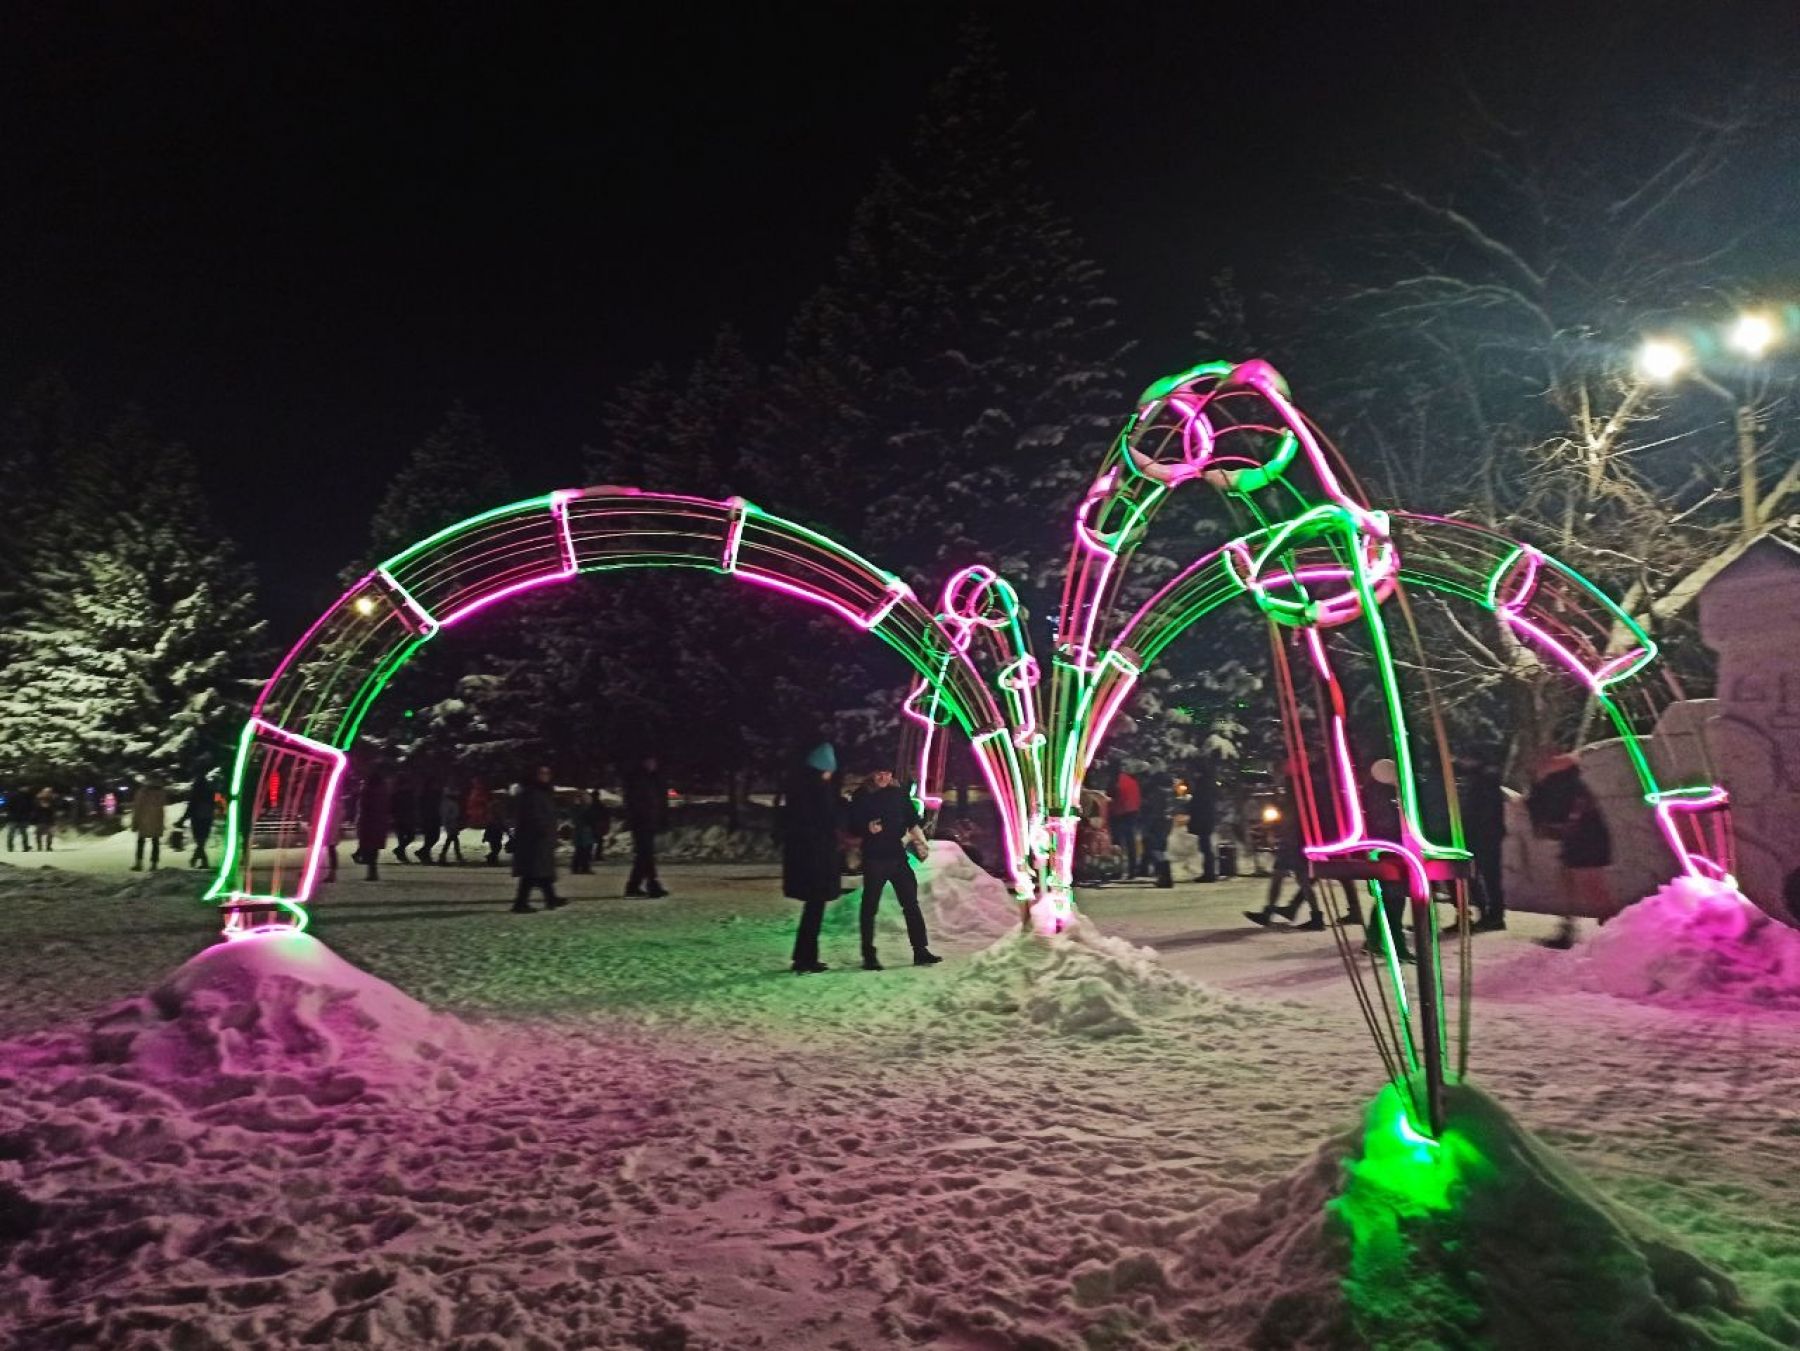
pixel 625 1124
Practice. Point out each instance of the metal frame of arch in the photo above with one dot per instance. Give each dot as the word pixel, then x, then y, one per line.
pixel 1311 554
pixel 292 753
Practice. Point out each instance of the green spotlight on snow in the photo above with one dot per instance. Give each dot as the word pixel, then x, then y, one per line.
pixel 1401 1176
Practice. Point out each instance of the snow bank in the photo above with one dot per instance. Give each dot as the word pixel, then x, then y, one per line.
pixel 962 900
pixel 1080 982
pixel 1690 942
pixel 268 1031
pixel 1484 1237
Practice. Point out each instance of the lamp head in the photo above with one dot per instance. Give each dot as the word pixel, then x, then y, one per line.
pixel 1752 335
pixel 1662 359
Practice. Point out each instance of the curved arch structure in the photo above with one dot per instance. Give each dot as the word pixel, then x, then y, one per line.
pixel 1311 555
pixel 291 755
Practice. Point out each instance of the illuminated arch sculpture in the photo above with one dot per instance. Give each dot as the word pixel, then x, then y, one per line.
pixel 1312 555
pixel 292 752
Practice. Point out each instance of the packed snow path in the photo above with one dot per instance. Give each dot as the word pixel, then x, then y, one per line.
pixel 634 1128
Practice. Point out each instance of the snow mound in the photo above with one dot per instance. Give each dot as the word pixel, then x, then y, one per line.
pixel 962 900
pixel 1484 1237
pixel 280 1016
pixel 1689 942
pixel 1079 982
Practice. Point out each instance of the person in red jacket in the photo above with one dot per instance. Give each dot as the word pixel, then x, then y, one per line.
pixel 1127 802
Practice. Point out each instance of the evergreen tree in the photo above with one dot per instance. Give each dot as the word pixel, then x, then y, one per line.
pixel 35 438
pixel 946 395
pixel 949 391
pixel 452 474
pixel 140 647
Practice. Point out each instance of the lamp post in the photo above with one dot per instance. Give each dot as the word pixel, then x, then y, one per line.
pixel 1663 360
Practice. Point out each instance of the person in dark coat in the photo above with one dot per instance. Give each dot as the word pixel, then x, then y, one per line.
pixel 534 842
pixel 646 816
pixel 450 820
pixel 430 823
pixel 199 817
pixel 1290 861
pixel 493 829
pixel 881 814
pixel 1483 803
pixel 1562 808
pixel 18 819
pixel 811 866
pixel 403 813
pixel 590 828
pixel 1203 817
pixel 43 818
pixel 1153 819
pixel 374 814
pixel 1381 818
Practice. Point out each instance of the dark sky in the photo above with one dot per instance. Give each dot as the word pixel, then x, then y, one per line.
pixel 294 233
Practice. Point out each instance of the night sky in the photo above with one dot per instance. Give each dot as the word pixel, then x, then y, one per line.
pixel 294 233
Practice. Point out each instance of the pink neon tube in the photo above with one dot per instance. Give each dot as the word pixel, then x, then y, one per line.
pixel 306 639
pixel 336 760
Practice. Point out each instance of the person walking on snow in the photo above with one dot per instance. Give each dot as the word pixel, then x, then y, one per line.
pixel 589 820
pixel 1563 808
pixel 1203 817
pixel 646 816
pixel 403 813
pixel 811 866
pixel 1159 798
pixel 493 830
pixel 881 815
pixel 430 820
pixel 1127 802
pixel 534 842
pixel 1290 861
pixel 147 808
pixel 18 819
pixel 198 817
pixel 373 816
pixel 43 818
pixel 1483 802
pixel 450 821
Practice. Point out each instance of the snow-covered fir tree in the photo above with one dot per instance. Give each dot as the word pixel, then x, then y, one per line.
pixel 139 647
pixel 453 473
pixel 947 393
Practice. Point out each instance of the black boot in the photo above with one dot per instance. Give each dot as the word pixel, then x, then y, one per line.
pixel 925 957
pixel 809 968
pixel 553 902
pixel 522 908
pixel 870 961
pixel 1165 876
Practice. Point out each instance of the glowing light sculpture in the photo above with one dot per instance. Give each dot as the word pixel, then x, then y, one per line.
pixel 291 756
pixel 1310 554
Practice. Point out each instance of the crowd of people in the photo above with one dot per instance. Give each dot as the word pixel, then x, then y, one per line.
pixel 31 819
pixel 523 823
pixel 1126 825
pixel 1124 834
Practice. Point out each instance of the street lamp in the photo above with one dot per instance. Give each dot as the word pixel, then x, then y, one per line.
pixel 1662 360
pixel 1753 335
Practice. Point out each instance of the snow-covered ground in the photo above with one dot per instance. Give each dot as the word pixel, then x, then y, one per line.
pixel 625 1124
